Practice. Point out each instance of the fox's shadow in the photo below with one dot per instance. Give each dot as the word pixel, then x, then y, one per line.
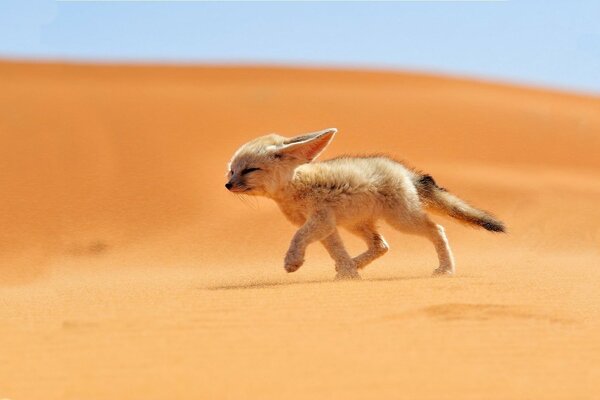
pixel 273 284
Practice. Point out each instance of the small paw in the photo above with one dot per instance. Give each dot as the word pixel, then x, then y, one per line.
pixel 292 267
pixel 443 272
pixel 346 274
pixel 359 264
pixel 292 263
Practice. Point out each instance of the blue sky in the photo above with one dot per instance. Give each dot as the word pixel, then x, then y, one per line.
pixel 552 43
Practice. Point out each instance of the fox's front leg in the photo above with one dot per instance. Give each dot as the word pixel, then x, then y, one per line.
pixel 318 226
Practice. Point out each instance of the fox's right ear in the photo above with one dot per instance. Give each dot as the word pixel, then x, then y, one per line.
pixel 307 147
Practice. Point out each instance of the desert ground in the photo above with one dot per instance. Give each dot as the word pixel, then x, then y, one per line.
pixel 129 272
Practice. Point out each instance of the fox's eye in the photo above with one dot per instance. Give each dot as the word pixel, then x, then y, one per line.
pixel 248 170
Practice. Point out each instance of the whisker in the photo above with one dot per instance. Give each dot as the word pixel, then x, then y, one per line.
pixel 254 201
pixel 247 200
pixel 243 200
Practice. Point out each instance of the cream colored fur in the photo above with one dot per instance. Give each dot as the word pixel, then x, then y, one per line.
pixel 350 192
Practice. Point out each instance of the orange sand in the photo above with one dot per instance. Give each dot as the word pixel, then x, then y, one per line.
pixel 128 272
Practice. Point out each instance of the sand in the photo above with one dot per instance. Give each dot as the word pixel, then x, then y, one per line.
pixel 129 272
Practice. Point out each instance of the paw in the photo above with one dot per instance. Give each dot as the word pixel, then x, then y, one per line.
pixel 443 271
pixel 292 263
pixel 347 274
pixel 360 264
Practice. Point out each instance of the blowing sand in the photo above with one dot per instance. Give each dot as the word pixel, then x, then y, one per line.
pixel 129 272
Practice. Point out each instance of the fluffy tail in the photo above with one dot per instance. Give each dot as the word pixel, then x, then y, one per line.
pixel 439 199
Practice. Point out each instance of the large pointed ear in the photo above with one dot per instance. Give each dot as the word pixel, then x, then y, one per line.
pixel 307 147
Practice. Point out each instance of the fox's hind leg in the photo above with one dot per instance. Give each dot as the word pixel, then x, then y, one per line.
pixel 437 235
pixel 344 264
pixel 377 244
pixel 423 226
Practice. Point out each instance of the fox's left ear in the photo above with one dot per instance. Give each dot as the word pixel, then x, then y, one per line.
pixel 308 147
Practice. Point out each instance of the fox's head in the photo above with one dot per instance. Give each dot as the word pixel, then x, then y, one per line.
pixel 264 165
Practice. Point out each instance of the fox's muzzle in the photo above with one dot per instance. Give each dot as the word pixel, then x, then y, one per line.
pixel 236 187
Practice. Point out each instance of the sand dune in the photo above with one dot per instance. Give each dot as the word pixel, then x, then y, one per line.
pixel 127 271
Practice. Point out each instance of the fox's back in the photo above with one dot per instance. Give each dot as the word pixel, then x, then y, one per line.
pixel 356 185
pixel 351 175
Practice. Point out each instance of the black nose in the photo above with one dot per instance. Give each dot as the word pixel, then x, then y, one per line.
pixel 228 185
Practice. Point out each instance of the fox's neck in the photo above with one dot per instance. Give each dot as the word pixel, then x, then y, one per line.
pixel 281 193
pixel 282 188
pixel 285 199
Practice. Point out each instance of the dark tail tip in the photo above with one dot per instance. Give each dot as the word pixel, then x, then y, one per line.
pixel 493 226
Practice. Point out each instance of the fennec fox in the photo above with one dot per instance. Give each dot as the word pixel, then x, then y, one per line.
pixel 349 192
